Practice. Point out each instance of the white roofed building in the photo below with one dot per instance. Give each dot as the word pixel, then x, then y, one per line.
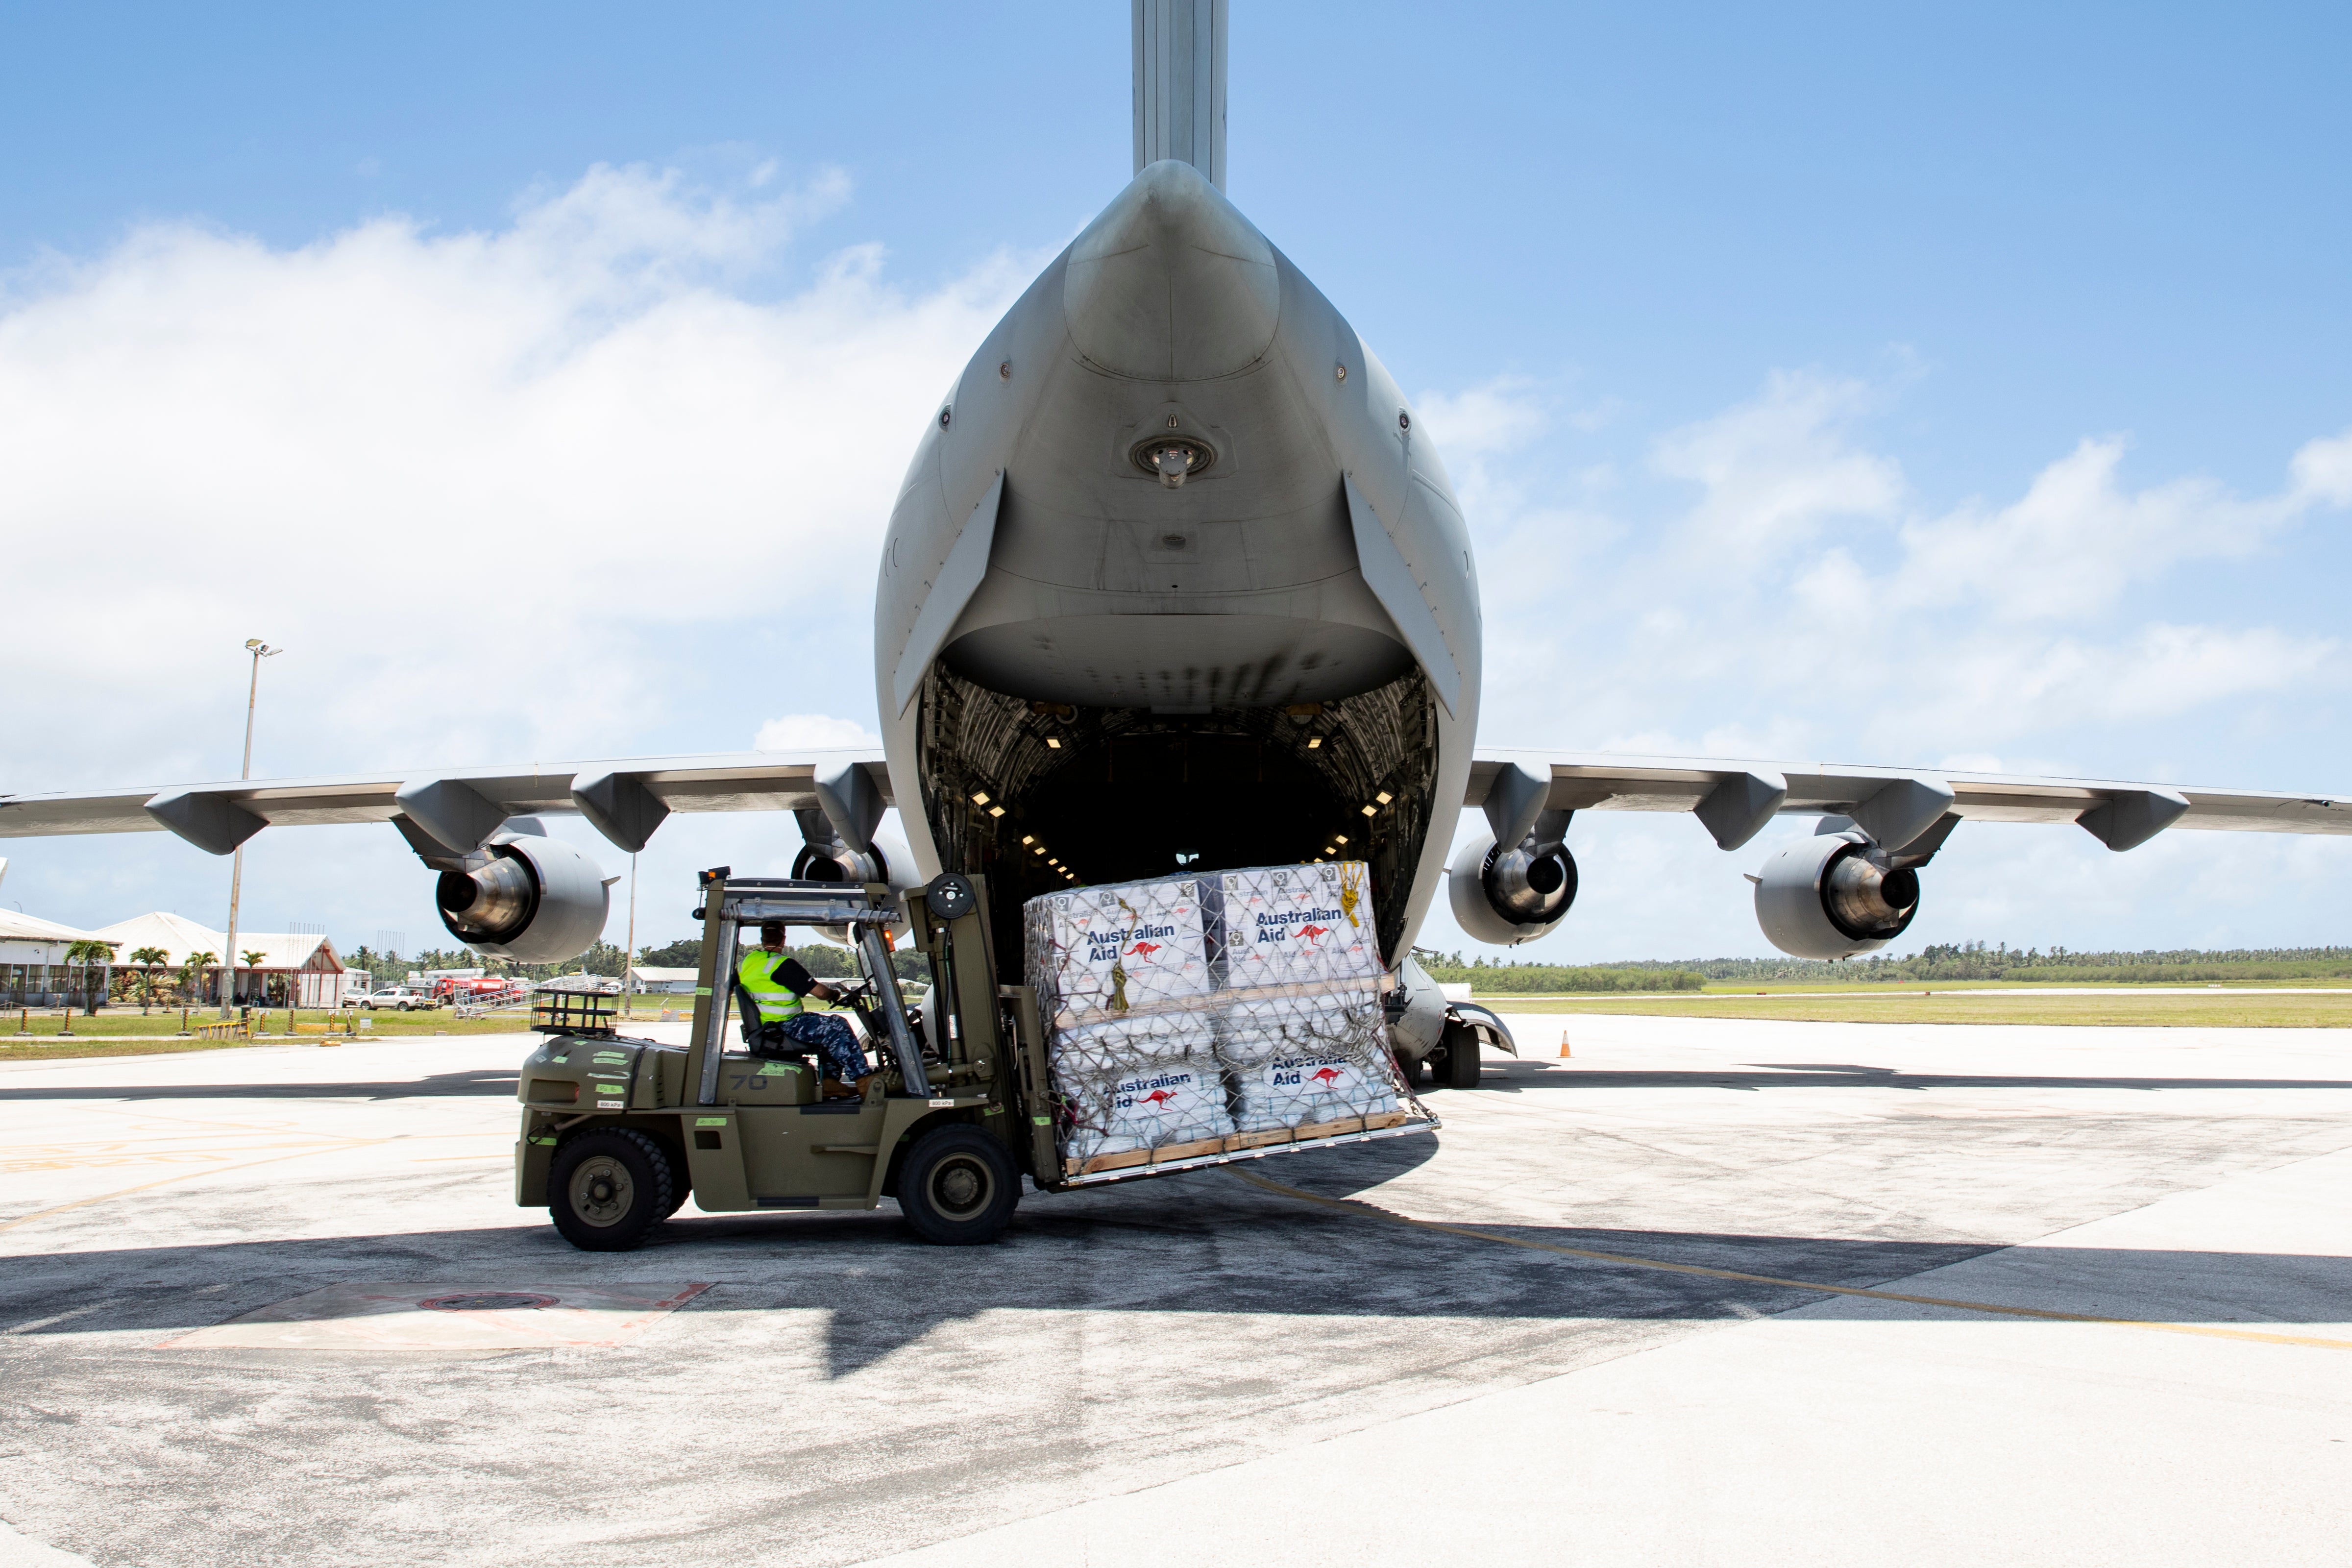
pixel 33 968
pixel 297 970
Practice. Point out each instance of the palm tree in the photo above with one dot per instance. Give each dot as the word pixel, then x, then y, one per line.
pixel 148 959
pixel 253 957
pixel 192 972
pixel 81 955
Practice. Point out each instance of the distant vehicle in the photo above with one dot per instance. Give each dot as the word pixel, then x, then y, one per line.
pixel 402 998
pixel 488 988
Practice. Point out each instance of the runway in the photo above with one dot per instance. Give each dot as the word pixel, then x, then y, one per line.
pixel 1705 1292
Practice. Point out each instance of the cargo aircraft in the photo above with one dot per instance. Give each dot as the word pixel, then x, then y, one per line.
pixel 1176 580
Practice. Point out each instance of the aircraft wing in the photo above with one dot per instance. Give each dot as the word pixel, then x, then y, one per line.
pixel 1736 799
pixel 626 799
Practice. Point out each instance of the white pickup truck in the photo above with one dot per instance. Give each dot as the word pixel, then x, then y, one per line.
pixel 404 998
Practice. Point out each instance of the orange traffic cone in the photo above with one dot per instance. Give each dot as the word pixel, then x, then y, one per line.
pixel 1563 1042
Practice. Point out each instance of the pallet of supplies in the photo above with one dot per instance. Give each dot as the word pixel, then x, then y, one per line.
pixel 1201 1017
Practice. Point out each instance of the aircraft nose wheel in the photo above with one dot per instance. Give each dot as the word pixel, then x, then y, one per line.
pixel 957 1186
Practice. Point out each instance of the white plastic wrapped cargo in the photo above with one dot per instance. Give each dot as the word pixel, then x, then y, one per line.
pixel 1098 952
pixel 1308 1061
pixel 1290 925
pixel 1144 1083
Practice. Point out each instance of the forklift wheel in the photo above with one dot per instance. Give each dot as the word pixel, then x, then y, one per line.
pixel 957 1186
pixel 606 1189
pixel 1461 1056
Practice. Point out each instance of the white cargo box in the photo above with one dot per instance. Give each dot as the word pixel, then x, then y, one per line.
pixel 1102 953
pixel 1287 925
pixel 1141 1083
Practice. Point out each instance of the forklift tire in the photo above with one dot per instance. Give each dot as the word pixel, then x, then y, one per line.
pixel 957 1186
pixel 1461 1056
pixel 680 1187
pixel 608 1188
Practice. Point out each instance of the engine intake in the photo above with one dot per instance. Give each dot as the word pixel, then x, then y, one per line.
pixel 1834 896
pixel 537 900
pixel 1509 896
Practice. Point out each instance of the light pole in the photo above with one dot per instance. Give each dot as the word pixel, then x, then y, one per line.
pixel 259 650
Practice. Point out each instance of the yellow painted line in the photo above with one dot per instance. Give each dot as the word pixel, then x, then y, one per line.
pixel 1370 1211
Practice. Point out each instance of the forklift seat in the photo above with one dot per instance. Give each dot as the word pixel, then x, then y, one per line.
pixel 764 1039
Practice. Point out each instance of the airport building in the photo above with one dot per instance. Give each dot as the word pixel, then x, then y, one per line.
pixel 295 969
pixel 34 970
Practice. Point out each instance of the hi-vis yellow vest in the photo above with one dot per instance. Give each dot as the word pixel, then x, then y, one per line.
pixel 775 1000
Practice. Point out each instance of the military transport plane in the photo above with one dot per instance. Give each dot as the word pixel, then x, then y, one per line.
pixel 1175 579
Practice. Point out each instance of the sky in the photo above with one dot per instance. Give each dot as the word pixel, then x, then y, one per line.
pixel 1961 391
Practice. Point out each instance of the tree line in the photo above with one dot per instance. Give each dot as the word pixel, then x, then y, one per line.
pixel 1942 960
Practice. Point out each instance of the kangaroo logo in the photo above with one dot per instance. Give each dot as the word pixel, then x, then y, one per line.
pixel 1313 934
pixel 1327 1077
pixel 1158 1096
pixel 1144 950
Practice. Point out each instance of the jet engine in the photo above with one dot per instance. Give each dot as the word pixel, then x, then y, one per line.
pixel 1834 896
pixel 1510 896
pixel 535 900
pixel 890 861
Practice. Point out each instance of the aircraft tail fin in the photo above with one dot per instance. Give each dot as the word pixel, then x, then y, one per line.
pixel 1180 84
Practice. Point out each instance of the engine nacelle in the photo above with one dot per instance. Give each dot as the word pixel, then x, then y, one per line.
pixel 1509 896
pixel 1832 897
pixel 539 900
pixel 890 862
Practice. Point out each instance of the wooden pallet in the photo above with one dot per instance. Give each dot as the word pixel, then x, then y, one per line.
pixel 1237 1144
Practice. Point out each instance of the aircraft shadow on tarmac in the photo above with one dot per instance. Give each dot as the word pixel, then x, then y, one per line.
pixel 1201 1243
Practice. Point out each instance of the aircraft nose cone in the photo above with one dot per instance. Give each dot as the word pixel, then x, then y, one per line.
pixel 1171 283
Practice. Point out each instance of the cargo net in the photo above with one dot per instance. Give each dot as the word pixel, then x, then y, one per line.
pixel 1195 1017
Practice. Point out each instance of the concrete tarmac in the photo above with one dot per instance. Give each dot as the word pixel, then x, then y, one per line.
pixel 1708 1291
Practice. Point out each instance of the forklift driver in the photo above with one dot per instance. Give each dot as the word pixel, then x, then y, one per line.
pixel 774 983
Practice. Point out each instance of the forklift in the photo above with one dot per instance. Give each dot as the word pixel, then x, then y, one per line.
pixel 617 1133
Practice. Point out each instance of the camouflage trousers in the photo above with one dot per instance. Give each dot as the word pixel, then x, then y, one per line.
pixel 829 1035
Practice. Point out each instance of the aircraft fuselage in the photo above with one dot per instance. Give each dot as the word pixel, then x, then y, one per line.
pixel 1173 638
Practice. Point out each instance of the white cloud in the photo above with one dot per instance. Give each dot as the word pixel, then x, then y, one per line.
pixel 2077 539
pixel 812 732
pixel 490 482
pixel 2323 472
pixel 1804 602
pixel 1501 415
pixel 1777 469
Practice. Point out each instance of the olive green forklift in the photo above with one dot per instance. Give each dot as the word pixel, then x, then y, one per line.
pixel 617 1133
